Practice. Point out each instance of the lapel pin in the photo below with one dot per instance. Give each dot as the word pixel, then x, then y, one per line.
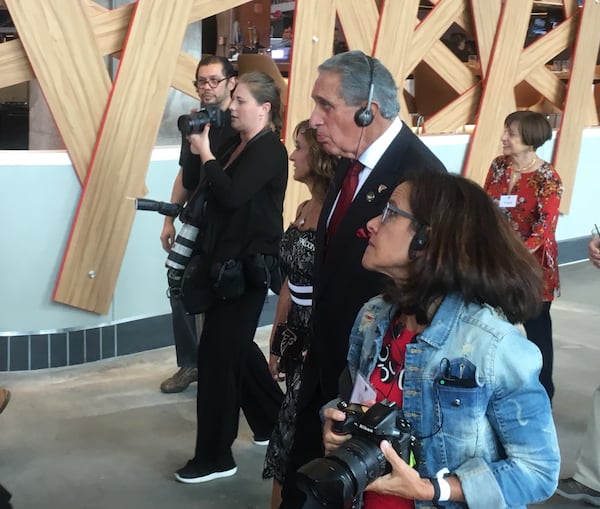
pixel 381 188
pixel 370 196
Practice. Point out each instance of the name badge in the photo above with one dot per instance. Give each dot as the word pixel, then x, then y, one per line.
pixel 507 201
pixel 362 391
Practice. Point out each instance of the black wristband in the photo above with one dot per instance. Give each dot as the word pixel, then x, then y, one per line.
pixel 436 491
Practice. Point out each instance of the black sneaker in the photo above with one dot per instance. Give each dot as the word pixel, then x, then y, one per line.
pixel 194 474
pixel 574 490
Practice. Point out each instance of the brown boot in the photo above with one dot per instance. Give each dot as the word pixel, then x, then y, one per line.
pixel 180 380
pixel 4 398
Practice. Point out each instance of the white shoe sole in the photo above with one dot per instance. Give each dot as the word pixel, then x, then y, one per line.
pixel 206 478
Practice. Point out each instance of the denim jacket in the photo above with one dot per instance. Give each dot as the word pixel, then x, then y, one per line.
pixel 494 431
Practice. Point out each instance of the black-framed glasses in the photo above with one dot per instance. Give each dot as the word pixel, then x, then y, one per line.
pixel 212 82
pixel 391 210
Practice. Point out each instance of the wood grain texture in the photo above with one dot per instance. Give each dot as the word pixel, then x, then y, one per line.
pixel 579 92
pixel 485 21
pixel 396 37
pixel 359 30
pixel 497 99
pixel 397 25
pixel 105 214
pixel 61 47
pixel 312 45
pixel 430 30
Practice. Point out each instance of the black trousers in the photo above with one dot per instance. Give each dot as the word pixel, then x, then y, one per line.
pixel 184 334
pixel 232 373
pixel 308 439
pixel 539 332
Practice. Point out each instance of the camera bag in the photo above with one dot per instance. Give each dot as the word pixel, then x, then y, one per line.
pixel 196 289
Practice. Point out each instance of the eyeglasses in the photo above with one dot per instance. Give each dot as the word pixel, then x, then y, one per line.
pixel 391 210
pixel 212 82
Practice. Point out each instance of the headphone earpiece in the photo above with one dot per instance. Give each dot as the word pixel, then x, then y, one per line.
pixel 419 241
pixel 364 116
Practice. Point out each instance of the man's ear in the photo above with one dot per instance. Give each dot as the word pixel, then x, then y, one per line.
pixel 232 83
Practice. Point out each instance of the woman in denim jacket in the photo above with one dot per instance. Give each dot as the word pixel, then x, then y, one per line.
pixel 441 345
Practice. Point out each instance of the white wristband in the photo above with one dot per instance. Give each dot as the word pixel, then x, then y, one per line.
pixel 444 485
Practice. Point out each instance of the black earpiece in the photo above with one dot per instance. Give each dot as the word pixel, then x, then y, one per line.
pixel 419 241
pixel 364 116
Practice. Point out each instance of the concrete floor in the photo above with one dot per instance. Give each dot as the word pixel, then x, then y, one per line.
pixel 102 435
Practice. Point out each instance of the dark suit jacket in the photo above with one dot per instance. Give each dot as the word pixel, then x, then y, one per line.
pixel 341 284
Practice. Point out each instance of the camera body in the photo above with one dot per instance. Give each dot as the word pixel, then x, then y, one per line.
pixel 336 480
pixel 195 122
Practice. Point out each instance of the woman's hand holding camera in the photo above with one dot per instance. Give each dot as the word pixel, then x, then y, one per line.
pixel 200 144
pixel 403 481
pixel 332 440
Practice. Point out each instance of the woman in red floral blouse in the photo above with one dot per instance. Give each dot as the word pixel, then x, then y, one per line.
pixel 528 190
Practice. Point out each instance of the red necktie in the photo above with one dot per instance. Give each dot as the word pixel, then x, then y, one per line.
pixel 349 185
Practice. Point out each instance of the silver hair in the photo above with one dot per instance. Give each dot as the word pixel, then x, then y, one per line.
pixel 355 72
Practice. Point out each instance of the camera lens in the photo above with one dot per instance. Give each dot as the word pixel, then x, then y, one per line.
pixel 336 480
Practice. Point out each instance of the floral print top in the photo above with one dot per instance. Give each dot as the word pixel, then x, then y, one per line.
pixel 535 215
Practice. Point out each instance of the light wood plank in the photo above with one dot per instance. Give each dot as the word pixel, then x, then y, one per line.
pixel 497 98
pixel 457 114
pixel 314 22
pixel 397 25
pixel 204 8
pixel 359 19
pixel 14 64
pixel 486 14
pixel 430 30
pixel 110 28
pixel 570 7
pixel 62 49
pixel 184 72
pixel 105 215
pixel 450 68
pixel 566 154
pixel 547 47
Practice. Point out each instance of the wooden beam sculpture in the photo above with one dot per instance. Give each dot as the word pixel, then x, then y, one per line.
pixel 109 129
pixel 65 58
pixel 497 99
pixel 577 103
pixel 309 50
pixel 98 240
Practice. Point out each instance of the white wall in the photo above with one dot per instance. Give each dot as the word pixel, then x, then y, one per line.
pixel 39 193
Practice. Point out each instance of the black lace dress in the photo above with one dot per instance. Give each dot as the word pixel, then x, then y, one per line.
pixel 297 253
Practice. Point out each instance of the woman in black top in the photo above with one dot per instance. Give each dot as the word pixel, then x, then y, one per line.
pixel 245 186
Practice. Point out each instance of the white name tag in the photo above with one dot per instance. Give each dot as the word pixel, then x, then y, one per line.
pixel 362 392
pixel 508 200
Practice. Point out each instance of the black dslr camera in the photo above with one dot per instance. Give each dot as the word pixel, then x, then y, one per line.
pixel 195 122
pixel 336 480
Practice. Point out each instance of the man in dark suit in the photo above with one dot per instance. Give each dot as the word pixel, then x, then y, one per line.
pixel 356 117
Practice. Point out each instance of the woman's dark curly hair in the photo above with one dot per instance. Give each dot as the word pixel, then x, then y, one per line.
pixel 470 249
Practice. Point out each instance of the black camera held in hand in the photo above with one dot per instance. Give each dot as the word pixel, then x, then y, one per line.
pixel 195 122
pixel 336 480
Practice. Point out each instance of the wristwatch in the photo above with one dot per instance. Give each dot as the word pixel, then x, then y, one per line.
pixel 441 487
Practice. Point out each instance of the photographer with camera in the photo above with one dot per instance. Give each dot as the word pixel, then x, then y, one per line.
pixel 244 184
pixel 440 344
pixel 214 81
